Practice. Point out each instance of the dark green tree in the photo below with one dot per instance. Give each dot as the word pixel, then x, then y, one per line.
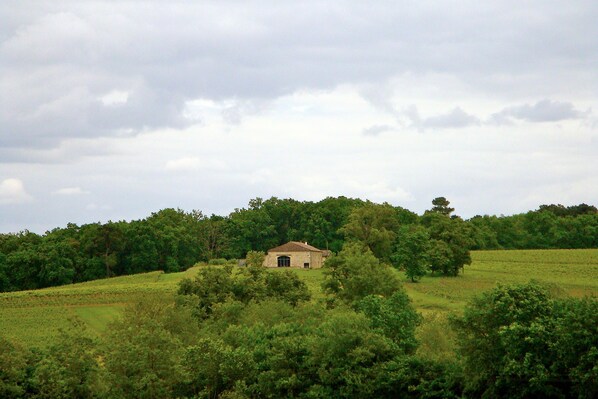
pixel 441 205
pixel 412 251
pixel 450 243
pixel 505 337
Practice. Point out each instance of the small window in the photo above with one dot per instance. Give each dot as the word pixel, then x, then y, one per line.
pixel 284 261
pixel 306 265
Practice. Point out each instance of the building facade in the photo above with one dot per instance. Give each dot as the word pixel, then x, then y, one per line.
pixel 296 254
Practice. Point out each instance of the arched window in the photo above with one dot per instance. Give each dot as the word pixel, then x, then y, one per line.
pixel 284 261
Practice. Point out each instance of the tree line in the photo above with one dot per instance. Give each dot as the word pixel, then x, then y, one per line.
pixel 173 240
pixel 248 332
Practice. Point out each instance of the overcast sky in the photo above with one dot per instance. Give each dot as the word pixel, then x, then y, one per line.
pixel 113 110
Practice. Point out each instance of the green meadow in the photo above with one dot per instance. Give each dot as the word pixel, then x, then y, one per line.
pixel 34 317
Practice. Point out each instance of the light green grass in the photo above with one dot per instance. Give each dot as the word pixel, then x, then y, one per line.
pixel 98 317
pixel 573 272
pixel 34 317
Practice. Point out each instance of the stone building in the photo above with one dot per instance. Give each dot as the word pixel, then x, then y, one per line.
pixel 296 254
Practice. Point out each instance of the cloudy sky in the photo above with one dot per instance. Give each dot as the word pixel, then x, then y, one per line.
pixel 112 110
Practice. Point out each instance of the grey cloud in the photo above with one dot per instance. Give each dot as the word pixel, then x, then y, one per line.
pixel 376 130
pixel 542 111
pixel 455 119
pixel 57 59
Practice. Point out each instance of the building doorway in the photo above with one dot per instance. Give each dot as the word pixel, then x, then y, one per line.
pixel 284 261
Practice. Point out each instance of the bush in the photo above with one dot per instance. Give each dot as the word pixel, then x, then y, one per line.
pixel 143 352
pixel 394 317
pixel 518 341
pixel 69 369
pixel 216 285
pixel 356 273
pixel 14 361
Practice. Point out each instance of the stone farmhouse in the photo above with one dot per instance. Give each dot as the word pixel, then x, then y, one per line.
pixel 296 254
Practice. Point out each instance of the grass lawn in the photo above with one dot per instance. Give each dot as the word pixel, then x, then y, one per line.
pixel 570 272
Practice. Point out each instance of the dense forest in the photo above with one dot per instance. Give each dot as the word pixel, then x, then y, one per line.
pixel 173 240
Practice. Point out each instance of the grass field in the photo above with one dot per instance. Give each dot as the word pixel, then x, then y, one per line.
pixel 34 317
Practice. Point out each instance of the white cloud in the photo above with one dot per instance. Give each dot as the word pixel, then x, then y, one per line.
pixel 181 164
pixel 115 97
pixel 380 191
pixel 95 207
pixel 193 164
pixel 70 191
pixel 12 191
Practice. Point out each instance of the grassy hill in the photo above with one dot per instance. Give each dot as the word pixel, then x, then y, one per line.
pixel 34 317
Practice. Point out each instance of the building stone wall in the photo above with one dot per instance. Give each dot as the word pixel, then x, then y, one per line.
pixel 298 259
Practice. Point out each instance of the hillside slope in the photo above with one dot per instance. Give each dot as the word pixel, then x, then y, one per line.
pixel 34 317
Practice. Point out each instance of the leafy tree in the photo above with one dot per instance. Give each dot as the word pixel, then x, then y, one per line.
pixel 142 352
pixel 251 229
pixel 375 226
pixel 412 251
pixel 212 285
pixel 440 257
pixel 142 248
pixel 14 362
pixel 345 352
pixel 176 238
pixel 286 286
pixel 449 247
pixel 286 217
pixel 356 273
pixel 504 337
pixel 395 317
pixel 5 283
pixel 23 267
pixel 214 367
pixel 541 228
pixel 216 285
pixel 70 368
pixel 441 205
pixel 575 210
pixel 519 341
pixel 279 348
pixel 575 347
pixel 56 263
pixel 104 242
pixel 255 259
pixel 414 377
pixel 326 218
pixel 213 237
pixel 481 234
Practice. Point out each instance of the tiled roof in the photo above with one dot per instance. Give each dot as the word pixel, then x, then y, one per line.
pixel 295 246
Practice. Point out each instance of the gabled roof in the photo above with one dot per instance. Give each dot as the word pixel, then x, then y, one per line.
pixel 295 246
